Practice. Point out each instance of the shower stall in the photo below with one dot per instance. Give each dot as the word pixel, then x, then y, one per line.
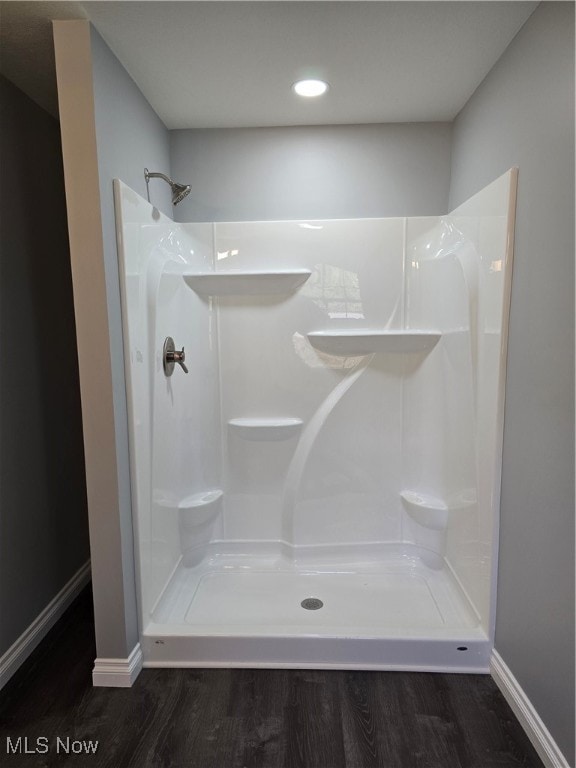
pixel 321 487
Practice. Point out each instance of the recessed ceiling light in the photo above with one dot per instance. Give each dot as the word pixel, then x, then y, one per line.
pixel 310 88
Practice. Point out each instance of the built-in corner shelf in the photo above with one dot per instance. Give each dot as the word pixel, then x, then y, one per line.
pixel 361 341
pixel 432 512
pixel 201 500
pixel 270 429
pixel 199 508
pixel 251 283
pixel 195 509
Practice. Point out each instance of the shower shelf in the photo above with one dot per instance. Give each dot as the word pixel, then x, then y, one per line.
pixel 250 283
pixel 432 512
pixel 365 342
pixel 195 501
pixel 199 508
pixel 270 429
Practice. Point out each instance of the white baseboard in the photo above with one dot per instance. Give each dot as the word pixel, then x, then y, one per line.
pixel 19 651
pixel 542 741
pixel 118 673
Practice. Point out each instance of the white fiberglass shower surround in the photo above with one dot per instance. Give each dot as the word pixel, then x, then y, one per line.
pixel 322 487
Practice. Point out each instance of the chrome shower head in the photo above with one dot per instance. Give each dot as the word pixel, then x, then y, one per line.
pixel 179 191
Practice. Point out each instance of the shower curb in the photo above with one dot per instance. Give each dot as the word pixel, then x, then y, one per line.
pixel 541 738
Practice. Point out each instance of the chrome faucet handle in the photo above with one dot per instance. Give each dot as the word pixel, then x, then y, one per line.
pixel 179 357
pixel 171 356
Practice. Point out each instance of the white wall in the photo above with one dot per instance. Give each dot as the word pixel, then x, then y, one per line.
pixel 328 172
pixel 458 277
pixel 301 489
pixel 523 114
pixel 174 421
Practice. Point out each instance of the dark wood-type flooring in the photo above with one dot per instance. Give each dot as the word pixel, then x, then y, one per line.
pixel 241 718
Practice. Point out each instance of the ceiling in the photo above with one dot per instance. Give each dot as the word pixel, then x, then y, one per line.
pixel 232 64
pixel 27 50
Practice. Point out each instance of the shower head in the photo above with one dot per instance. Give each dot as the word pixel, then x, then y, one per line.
pixel 179 191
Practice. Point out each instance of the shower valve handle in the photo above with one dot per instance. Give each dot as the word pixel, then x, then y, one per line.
pixel 178 357
pixel 171 356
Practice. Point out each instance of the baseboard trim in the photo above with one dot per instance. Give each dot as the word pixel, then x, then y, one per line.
pixel 19 651
pixel 118 673
pixel 542 741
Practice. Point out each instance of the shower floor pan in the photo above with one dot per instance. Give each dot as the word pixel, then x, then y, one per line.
pixel 381 609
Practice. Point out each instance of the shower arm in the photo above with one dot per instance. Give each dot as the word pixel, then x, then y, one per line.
pixel 153 175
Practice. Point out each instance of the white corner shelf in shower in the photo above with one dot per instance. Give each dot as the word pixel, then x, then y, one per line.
pixel 247 283
pixel 361 341
pixel 432 512
pixel 265 429
pixel 195 509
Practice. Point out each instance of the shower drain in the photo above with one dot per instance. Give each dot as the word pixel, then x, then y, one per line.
pixel 311 604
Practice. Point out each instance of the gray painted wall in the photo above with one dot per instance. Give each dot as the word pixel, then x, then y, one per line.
pixel 43 516
pixel 523 114
pixel 313 172
pixel 130 136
